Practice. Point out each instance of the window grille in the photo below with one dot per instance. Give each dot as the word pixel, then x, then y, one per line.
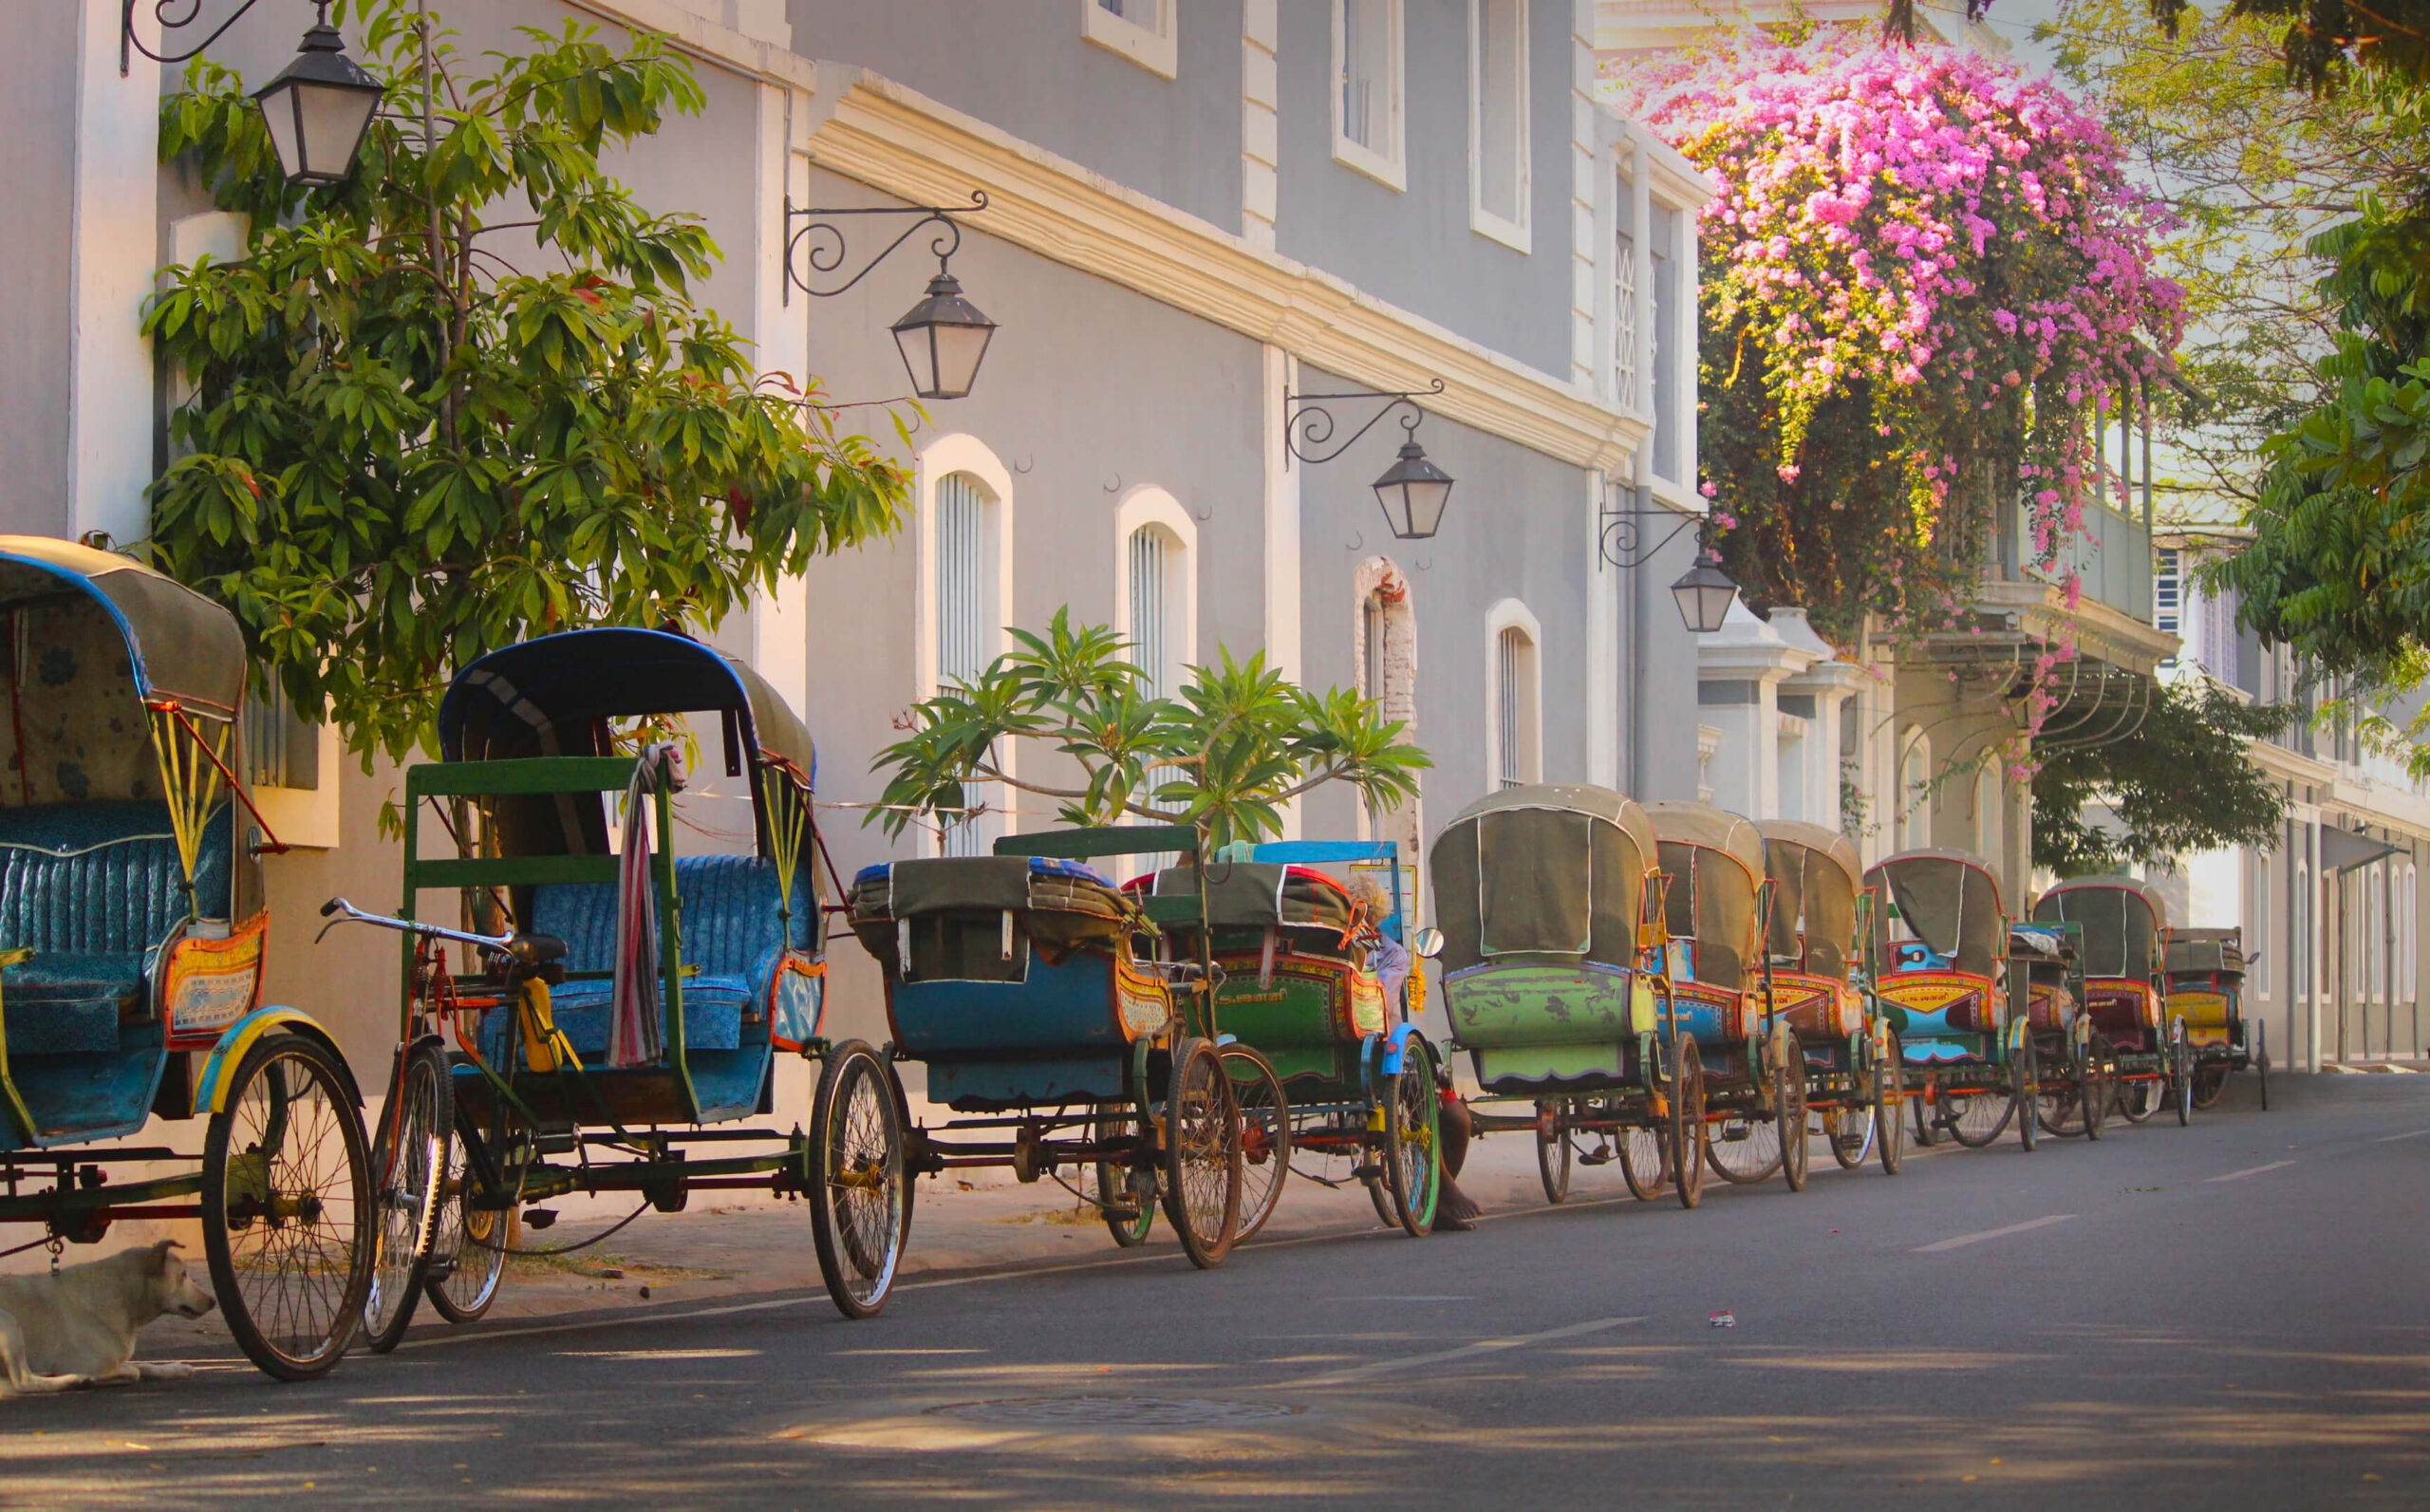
pixel 1624 320
pixel 962 614
pixel 1511 648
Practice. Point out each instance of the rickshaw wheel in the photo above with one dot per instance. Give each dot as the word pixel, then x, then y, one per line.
pixel 1688 1125
pixel 1851 1129
pixel 1202 1154
pixel 1976 1117
pixel 288 1217
pixel 859 1210
pixel 2025 1092
pixel 1552 1149
pixel 1642 1165
pixel 1890 1107
pixel 2139 1099
pixel 2261 1062
pixel 1750 1145
pixel 1926 1103
pixel 2180 1066
pixel 1412 1143
pixel 2097 1088
pixel 2209 1082
pixel 410 1160
pixel 2062 1104
pixel 472 1241
pixel 1265 1135
pixel 1788 1115
pixel 1123 1188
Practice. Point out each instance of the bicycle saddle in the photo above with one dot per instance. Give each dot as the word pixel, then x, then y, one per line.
pixel 535 950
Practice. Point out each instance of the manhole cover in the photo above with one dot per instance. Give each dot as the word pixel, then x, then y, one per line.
pixel 1116 1411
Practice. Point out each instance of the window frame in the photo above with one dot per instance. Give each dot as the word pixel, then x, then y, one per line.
pixel 1515 233
pixel 1508 618
pixel 1156 49
pixel 947 455
pixel 1390 167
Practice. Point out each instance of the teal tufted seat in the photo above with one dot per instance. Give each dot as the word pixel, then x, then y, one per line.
pixel 732 937
pixel 92 890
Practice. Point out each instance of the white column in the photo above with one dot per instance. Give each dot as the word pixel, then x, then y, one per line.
pixel 1588 237
pixel 1260 129
pixel 113 242
pixel 1282 373
pixel 781 621
pixel 1602 648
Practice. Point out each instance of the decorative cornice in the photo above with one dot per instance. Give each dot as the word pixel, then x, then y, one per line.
pixel 766 60
pixel 907 145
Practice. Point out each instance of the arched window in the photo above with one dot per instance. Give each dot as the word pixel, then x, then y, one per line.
pixel 2259 943
pixel 965 497
pixel 1514 698
pixel 2299 936
pixel 1915 814
pixel 1988 831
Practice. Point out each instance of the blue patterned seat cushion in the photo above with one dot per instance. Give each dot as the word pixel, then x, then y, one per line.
pixel 732 941
pixel 92 890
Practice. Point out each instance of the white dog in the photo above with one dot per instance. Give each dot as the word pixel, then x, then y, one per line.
pixel 76 1326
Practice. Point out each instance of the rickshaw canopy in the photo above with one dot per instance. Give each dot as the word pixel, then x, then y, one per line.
pixel 2206 950
pixel 1817 874
pixel 2123 918
pixel 1550 870
pixel 1715 862
pixel 1949 901
pixel 1262 894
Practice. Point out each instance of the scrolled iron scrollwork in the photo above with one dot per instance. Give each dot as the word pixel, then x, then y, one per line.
pixel 1308 427
pixel 819 244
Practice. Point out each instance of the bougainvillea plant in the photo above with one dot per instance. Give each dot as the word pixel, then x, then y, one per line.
pixel 1922 277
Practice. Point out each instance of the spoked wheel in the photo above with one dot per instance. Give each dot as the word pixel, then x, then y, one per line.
pixel 2261 1061
pixel 2139 1097
pixel 479 1220
pixel 1552 1149
pixel 1644 1164
pixel 2061 1107
pixel 1926 1102
pixel 1890 1105
pixel 2098 1088
pixel 1202 1154
pixel 1788 1114
pixel 1265 1135
pixel 416 1130
pixel 2024 1090
pixel 1744 1147
pixel 860 1212
pixel 2209 1082
pixel 1126 1194
pixel 1851 1129
pixel 1412 1150
pixel 289 1219
pixel 1976 1116
pixel 1688 1125
pixel 2180 1072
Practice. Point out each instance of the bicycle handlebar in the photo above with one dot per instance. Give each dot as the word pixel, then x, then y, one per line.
pixel 346 911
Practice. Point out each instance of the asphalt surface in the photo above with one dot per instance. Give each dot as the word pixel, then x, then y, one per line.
pixel 2227 1315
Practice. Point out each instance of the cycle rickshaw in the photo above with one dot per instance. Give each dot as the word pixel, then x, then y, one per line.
pixel 1821 983
pixel 1019 979
pixel 132 927
pixel 622 1004
pixel 1550 907
pixel 1323 1062
pixel 2126 921
pixel 1717 921
pixel 2071 1061
pixel 2206 989
pixel 1941 937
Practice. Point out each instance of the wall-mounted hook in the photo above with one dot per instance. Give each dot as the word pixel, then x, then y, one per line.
pixel 1203 513
pixel 1358 541
pixel 1023 465
pixel 1426 564
pixel 1114 487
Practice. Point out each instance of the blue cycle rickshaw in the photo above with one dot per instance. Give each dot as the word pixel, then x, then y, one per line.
pixel 132 928
pixel 625 1004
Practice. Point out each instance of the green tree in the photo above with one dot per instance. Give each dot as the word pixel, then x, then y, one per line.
pixel 2179 783
pixel 464 396
pixel 1239 743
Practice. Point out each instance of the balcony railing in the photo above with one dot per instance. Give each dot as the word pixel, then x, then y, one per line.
pixel 2111 557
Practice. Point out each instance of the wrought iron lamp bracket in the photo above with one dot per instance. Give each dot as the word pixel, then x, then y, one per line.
pixel 175 15
pixel 1620 533
pixel 820 245
pixel 1308 427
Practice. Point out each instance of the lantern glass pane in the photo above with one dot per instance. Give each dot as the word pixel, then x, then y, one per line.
pixel 333 122
pixel 278 113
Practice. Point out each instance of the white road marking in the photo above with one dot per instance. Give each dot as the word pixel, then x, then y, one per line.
pixel 1490 1346
pixel 2250 1170
pixel 1964 1240
pixel 2390 1139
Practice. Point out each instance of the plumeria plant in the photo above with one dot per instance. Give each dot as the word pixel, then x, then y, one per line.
pixel 1924 274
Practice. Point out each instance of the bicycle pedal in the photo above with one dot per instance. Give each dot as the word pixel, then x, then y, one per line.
pixel 441 1268
pixel 1369 1173
pixel 1122 1215
pixel 539 1217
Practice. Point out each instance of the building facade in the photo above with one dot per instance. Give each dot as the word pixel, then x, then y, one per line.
pixel 1196 215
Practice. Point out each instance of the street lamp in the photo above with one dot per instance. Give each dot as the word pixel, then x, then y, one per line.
pixel 943 337
pixel 1705 593
pixel 1412 491
pixel 317 110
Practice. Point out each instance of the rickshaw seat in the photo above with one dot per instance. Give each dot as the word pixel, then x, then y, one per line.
pixel 732 943
pixel 92 890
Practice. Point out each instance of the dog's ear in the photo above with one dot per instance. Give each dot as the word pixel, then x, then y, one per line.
pixel 161 1249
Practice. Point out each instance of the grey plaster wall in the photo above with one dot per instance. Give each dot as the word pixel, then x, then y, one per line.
pixel 1023 66
pixel 1089 391
pixel 1518 528
pixel 1659 687
pixel 1414 248
pixel 37 121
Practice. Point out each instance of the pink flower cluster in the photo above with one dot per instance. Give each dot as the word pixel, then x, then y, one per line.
pixel 1930 222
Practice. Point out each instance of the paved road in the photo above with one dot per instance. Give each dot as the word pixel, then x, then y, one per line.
pixel 2229 1316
